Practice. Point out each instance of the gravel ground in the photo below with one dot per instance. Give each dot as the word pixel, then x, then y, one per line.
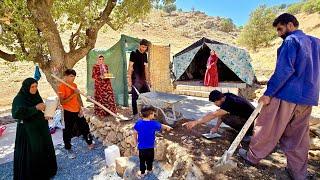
pixel 88 164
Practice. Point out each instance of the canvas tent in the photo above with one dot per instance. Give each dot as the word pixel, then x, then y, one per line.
pixel 233 65
pixel 116 58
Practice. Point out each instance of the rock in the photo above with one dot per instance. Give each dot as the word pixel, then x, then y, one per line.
pixel 107 128
pixel 130 141
pixel 127 153
pixel 106 142
pixel 194 172
pixel 103 132
pixel 108 123
pixel 111 136
pixel 94 120
pixel 123 144
pixel 315 144
pixel 314 153
pixel 161 150
pixel 121 165
pixel 120 136
pixel 132 169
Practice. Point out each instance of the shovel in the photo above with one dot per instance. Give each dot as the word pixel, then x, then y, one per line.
pixel 92 100
pixel 225 163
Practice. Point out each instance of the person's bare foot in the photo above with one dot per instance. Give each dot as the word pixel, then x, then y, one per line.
pixel 139 175
pixel 91 146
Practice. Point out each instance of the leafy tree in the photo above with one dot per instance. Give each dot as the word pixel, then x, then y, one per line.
pixel 311 6
pixel 169 8
pixel 259 30
pixel 295 8
pixel 226 25
pixel 158 4
pixel 32 29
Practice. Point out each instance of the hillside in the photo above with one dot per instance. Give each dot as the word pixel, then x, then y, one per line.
pixel 178 29
pixel 264 59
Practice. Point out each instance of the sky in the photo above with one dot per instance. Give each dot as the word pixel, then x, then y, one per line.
pixel 237 10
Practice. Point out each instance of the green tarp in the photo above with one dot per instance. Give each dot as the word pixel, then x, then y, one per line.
pixel 116 59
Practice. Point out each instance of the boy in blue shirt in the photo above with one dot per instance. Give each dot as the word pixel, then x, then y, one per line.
pixel 145 134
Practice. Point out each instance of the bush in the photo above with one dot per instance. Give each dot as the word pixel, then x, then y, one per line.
pixel 311 6
pixel 169 8
pixel 259 31
pixel 295 8
pixel 226 25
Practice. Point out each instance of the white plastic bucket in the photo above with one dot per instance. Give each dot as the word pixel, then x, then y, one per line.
pixel 111 154
pixel 51 106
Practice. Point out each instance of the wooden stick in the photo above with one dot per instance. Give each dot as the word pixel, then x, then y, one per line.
pixel 88 97
pixel 226 156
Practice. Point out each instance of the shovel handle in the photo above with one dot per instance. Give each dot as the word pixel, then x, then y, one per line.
pixel 92 100
pixel 243 131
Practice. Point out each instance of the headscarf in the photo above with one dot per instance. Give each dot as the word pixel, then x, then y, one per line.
pixel 28 98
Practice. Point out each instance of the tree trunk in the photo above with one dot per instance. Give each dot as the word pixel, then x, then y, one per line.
pixel 57 68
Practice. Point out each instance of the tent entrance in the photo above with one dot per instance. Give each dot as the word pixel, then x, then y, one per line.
pixel 197 68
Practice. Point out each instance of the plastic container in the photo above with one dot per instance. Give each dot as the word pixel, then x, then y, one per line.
pixel 111 154
pixel 51 106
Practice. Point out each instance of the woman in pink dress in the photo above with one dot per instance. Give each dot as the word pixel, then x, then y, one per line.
pixel 103 92
pixel 211 76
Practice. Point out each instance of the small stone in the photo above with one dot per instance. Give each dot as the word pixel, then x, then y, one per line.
pixel 315 144
pixel 111 136
pixel 130 141
pixel 123 144
pixel 121 165
pixel 103 132
pixel 127 153
pixel 120 136
pixel 314 153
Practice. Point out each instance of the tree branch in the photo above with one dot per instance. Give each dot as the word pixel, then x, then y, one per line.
pixel 73 44
pixel 91 36
pixel 104 16
pixel 109 23
pixel 8 57
pixel 20 41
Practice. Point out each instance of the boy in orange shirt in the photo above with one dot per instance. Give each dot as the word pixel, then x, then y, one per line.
pixel 73 116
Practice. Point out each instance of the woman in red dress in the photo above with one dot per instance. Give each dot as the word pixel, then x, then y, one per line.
pixel 103 92
pixel 211 76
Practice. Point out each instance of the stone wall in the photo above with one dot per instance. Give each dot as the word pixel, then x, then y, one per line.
pixel 112 131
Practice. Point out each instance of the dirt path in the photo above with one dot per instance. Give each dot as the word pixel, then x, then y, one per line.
pixel 206 152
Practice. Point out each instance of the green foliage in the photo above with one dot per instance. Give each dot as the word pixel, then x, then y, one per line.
pixel 295 8
pixel 169 8
pixel 158 4
pixel 226 25
pixel 21 36
pixel 259 31
pixel 307 6
pixel 311 6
